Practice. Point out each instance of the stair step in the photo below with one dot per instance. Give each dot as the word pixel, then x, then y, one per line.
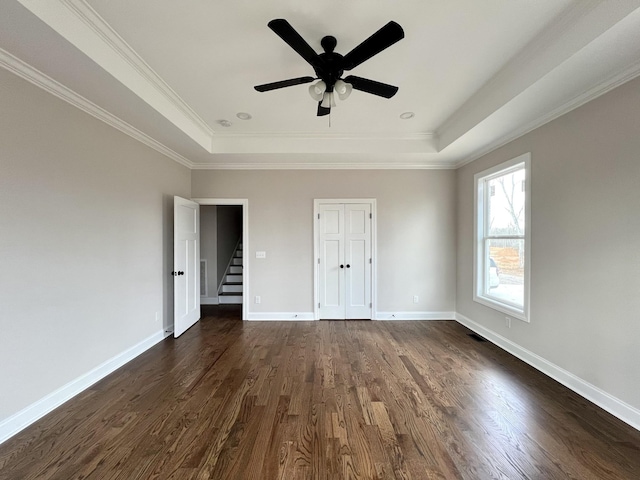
pixel 236 261
pixel 229 299
pixel 232 288
pixel 238 253
pixel 235 269
pixel 233 279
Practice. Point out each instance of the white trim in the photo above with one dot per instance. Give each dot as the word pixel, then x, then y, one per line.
pixel 479 236
pixel 49 85
pixel 374 249
pixel 244 202
pixel 415 316
pixel 347 165
pixel 25 417
pixel 78 23
pixel 604 400
pixel 423 136
pixel 281 316
pixel 209 301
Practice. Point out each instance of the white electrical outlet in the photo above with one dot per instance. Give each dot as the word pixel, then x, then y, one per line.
pixel 415 299
pixel 257 300
pixel 508 321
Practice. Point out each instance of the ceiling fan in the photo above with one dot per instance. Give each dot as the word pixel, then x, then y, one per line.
pixel 329 65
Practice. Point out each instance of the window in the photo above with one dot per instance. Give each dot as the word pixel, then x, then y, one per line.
pixel 502 232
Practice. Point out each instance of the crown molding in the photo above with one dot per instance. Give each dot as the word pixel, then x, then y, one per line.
pixel 27 72
pixel 83 27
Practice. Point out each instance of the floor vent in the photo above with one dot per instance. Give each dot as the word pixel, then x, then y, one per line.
pixel 477 337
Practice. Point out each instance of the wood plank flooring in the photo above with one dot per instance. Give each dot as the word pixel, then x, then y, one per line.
pixel 325 400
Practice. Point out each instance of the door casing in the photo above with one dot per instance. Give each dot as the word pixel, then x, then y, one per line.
pixel 316 249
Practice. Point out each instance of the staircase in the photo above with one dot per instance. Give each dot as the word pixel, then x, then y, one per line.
pixel 230 291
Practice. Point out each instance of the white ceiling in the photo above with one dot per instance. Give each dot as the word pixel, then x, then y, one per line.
pixel 476 73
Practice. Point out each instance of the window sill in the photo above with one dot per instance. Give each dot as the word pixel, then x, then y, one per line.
pixel 502 307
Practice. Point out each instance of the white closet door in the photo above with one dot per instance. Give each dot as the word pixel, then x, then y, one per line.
pixel 344 263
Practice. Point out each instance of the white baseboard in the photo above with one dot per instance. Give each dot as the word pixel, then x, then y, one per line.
pixel 281 316
pixel 209 301
pixel 414 316
pixel 604 400
pixel 25 417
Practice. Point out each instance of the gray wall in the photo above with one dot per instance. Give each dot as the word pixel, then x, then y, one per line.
pixel 585 245
pixel 416 232
pixel 209 248
pixel 85 241
pixel 229 228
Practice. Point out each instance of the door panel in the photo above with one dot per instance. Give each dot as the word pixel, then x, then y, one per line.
pixel 358 257
pixel 332 256
pixel 186 264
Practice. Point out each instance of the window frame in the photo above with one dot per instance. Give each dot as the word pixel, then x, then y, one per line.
pixel 481 237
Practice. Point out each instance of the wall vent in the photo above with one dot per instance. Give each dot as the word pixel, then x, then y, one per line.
pixel 477 337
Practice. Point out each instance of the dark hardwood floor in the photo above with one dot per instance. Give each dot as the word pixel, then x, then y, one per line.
pixel 341 400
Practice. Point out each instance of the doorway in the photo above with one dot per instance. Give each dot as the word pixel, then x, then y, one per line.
pixel 344 246
pixel 224 267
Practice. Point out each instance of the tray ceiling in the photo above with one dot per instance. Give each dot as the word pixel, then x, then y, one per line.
pixel 475 74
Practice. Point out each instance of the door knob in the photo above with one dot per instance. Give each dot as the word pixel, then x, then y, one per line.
pixel 180 273
pixel 348 266
pixel 341 266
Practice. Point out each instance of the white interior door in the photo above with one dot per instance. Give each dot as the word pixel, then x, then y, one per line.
pixel 186 264
pixel 344 260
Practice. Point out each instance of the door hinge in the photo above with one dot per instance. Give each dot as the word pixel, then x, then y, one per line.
pixel 318 304
pixel 318 216
pixel 371 305
pixel 370 260
pixel 318 261
pixel 371 215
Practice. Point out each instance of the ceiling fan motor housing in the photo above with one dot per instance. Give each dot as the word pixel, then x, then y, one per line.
pixel 330 65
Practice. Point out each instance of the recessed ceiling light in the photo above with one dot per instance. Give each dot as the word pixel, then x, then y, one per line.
pixel 243 116
pixel 407 115
pixel 224 123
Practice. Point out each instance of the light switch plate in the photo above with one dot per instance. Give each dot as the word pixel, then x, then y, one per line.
pixel 261 254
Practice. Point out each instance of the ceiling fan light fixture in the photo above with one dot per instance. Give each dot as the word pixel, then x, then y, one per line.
pixel 327 100
pixel 343 89
pixel 317 90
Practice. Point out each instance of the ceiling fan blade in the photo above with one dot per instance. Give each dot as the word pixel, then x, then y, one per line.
pixel 283 83
pixel 383 38
pixel 286 32
pixel 322 111
pixel 371 86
